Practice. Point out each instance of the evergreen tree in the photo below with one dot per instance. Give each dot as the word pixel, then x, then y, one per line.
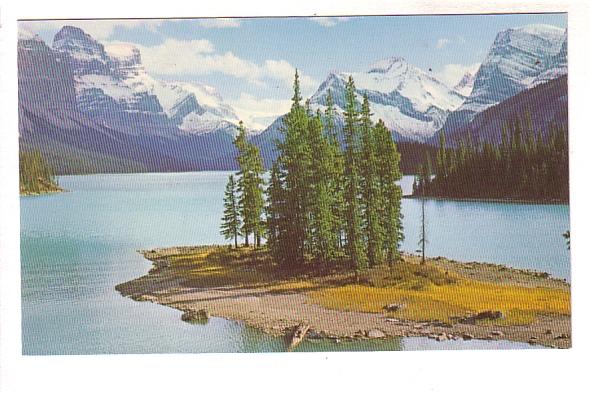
pixel 354 240
pixel 250 187
pixel 424 180
pixel 372 198
pixel 389 174
pixel 336 173
pixel 35 175
pixel 528 164
pixel 441 159
pixel 277 226
pixel 296 159
pixel 230 226
pixel 324 237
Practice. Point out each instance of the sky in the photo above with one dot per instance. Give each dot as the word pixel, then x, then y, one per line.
pixel 251 61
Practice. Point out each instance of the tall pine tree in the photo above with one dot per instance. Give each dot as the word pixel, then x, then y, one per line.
pixel 295 160
pixel 250 187
pixel 354 239
pixel 230 225
pixel 390 212
pixel 371 190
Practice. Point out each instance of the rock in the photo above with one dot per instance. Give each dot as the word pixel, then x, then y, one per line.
pixel 467 336
pixel 145 298
pixel 392 307
pixel 391 320
pixel 497 333
pixel 376 333
pixel 548 331
pixel 562 336
pixel 298 335
pixel 201 316
pixel 314 335
pixel 489 315
pixel 441 337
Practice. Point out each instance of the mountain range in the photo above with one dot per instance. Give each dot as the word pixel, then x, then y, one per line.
pixel 94 108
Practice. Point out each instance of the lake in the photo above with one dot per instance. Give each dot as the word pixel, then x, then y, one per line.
pixel 76 246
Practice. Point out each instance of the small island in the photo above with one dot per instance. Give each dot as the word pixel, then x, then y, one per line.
pixel 440 299
pixel 36 176
pixel 322 250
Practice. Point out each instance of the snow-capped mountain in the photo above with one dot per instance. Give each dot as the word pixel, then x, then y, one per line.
pixel 411 102
pixel 555 66
pixel 465 85
pixel 112 83
pixel 519 59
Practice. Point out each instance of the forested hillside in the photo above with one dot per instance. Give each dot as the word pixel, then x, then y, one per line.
pixel 36 176
pixel 526 165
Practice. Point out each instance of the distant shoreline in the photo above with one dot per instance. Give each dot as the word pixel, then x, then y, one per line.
pixel 492 200
pixel 277 306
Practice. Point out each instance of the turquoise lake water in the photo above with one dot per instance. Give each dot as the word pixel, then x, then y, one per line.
pixel 76 246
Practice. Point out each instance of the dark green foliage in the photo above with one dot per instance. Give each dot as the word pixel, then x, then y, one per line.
pixel 230 225
pixel 388 173
pixel 325 204
pixel 276 221
pixel 293 167
pixel 526 165
pixel 324 235
pixel 372 195
pixel 250 187
pixel 35 175
pixel 354 240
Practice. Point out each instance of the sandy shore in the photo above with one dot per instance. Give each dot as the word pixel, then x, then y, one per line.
pixel 277 312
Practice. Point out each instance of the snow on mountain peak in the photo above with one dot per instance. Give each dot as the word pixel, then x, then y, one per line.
pixel 25 34
pixel 123 52
pixel 465 85
pixel 518 59
pixel 541 29
pixel 114 72
pixel 411 102
pixel 386 65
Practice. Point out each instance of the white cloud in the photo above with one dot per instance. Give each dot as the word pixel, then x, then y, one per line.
pixel 219 23
pixel 98 29
pixel 259 113
pixel 328 21
pixel 451 74
pixel 442 42
pixel 198 57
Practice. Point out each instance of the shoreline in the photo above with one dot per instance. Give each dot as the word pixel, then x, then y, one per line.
pixel 278 308
pixel 45 192
pixel 492 200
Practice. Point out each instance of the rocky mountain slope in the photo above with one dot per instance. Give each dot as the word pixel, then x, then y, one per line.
pixel 519 59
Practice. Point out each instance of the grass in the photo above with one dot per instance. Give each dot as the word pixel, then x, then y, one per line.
pixel 428 291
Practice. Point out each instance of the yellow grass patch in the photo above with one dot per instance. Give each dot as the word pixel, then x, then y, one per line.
pixel 520 305
pixel 428 291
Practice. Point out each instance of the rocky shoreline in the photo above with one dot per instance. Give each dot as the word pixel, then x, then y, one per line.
pixel 278 314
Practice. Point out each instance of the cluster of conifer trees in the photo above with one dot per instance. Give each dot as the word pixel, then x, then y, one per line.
pixel 525 165
pixel 322 202
pixel 36 176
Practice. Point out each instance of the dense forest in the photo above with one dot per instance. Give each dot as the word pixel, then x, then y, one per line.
pixel 36 176
pixel 322 202
pixel 526 165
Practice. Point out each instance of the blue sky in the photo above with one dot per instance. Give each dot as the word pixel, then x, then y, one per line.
pixel 251 61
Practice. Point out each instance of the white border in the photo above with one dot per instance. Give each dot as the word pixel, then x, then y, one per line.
pixel 433 371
